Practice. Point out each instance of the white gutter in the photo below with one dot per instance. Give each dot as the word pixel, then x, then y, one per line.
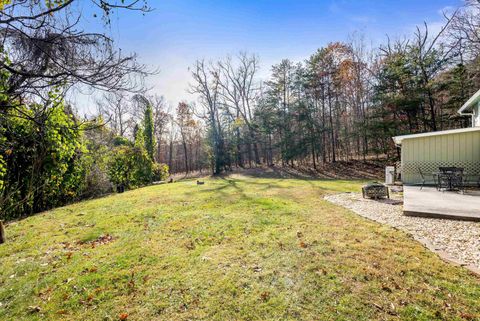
pixel 398 139
pixel 471 102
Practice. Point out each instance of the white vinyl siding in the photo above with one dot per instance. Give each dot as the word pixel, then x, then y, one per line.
pixel 430 152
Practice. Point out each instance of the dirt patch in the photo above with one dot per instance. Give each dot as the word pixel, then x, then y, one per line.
pixel 102 239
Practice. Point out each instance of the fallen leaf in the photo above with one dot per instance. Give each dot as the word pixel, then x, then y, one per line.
pixel 386 288
pixel 265 295
pixel 190 245
pixel 467 316
pixel 34 309
pixel 123 316
pixel 102 239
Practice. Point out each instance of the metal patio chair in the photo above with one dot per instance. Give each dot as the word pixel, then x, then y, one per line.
pixel 422 176
pixel 458 180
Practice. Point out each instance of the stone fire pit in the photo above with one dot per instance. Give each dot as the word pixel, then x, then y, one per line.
pixel 375 191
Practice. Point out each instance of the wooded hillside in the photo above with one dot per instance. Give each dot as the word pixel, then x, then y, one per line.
pixel 344 102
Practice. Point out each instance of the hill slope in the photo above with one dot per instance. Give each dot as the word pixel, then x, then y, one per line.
pixel 235 248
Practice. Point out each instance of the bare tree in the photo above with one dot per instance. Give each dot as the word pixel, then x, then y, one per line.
pixel 171 137
pixel 187 126
pixel 430 59
pixel 239 91
pixel 464 29
pixel 206 84
pixel 116 108
pixel 45 49
pixel 161 116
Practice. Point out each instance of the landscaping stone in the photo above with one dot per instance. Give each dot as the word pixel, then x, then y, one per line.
pixel 455 241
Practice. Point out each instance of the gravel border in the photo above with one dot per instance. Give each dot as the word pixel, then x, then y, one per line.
pixel 457 242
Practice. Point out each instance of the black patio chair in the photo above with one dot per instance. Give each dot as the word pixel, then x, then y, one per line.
pixel 458 180
pixel 422 176
pixel 436 180
pixel 451 178
pixel 443 181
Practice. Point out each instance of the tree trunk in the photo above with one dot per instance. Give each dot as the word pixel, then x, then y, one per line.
pixel 218 147
pixel 324 139
pixel 185 151
pixel 332 133
pixel 170 155
pixel 255 148
pixel 3 237
pixel 431 103
pixel 313 156
pixel 239 149
pixel 159 150
pixel 270 150
pixel 249 149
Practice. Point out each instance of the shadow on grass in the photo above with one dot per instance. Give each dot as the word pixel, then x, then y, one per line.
pixel 227 186
pixel 273 172
pixel 279 174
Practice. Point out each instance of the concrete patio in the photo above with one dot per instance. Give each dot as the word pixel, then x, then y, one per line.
pixel 428 202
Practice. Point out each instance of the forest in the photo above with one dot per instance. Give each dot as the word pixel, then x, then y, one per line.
pixel 342 103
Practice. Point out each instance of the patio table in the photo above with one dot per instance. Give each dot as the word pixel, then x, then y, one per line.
pixel 449 176
pixel 437 176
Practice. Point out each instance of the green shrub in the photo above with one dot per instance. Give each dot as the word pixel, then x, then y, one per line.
pixel 160 172
pixel 40 166
pixel 130 167
pixel 121 141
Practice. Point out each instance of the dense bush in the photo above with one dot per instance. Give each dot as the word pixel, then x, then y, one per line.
pixel 58 159
pixel 95 160
pixel 41 160
pixel 131 166
pixel 121 141
pixel 160 172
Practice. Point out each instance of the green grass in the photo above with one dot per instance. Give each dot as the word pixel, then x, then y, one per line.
pixel 237 248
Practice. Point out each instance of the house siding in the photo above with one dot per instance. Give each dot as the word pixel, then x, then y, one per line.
pixel 476 115
pixel 429 153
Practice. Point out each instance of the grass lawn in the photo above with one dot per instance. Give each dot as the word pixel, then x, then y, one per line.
pixel 236 248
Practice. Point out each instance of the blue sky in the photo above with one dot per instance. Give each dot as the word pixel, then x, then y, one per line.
pixel 178 32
